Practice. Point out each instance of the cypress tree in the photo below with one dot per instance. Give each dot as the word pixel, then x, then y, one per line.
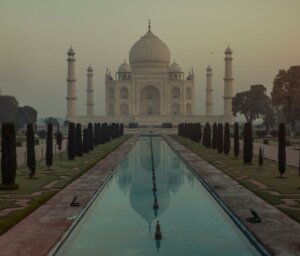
pixel 215 136
pixel 31 162
pixel 204 139
pixel 260 157
pixel 122 129
pixel 91 136
pixel 95 134
pixel 86 143
pixel 248 144
pixel 236 140
pixel 59 139
pixel 78 140
pixel 9 155
pixel 71 141
pixel 100 134
pixel 49 146
pixel 103 130
pixel 226 139
pixel 208 135
pixel 200 132
pixel 281 149
pixel 220 138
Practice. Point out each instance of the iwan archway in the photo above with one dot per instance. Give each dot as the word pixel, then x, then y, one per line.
pixel 150 101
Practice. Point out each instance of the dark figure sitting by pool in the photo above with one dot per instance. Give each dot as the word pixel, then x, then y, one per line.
pixel 158 235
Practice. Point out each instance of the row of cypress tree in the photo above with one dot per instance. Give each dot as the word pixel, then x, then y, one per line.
pixel 92 136
pixel 82 142
pixel 220 140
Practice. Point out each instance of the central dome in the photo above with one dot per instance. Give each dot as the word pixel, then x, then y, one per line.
pixel 149 51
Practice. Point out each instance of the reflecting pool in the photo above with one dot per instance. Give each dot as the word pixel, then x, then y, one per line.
pixel 121 221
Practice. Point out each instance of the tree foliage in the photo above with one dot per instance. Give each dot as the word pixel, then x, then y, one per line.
pixel 281 149
pixel 86 143
pixel 227 139
pixel 248 144
pixel 91 136
pixel 286 94
pixel 215 136
pixel 261 157
pixel 220 146
pixel 253 103
pixel 9 155
pixel 31 162
pixel 79 146
pixel 8 108
pixel 71 141
pixel 26 115
pixel 49 145
pixel 236 144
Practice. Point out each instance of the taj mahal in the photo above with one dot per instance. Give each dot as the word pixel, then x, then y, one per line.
pixel 150 90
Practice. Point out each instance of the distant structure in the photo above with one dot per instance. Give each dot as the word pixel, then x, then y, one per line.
pixel 89 93
pixel 71 91
pixel 149 90
pixel 228 83
pixel 209 92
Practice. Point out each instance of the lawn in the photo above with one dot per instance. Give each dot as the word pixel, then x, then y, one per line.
pixel 48 182
pixel 263 181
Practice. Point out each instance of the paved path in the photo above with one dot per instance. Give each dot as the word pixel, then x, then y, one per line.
pixel 277 232
pixel 41 230
pixel 270 152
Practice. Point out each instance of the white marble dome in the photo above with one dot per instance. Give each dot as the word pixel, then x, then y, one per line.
pixel 149 51
pixel 174 68
pixel 124 67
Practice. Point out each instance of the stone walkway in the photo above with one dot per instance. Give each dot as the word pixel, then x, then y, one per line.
pixel 271 152
pixel 277 232
pixel 41 230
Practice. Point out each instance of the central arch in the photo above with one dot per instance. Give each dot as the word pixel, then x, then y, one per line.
pixel 150 101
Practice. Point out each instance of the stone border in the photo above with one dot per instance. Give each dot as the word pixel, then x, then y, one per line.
pixel 39 232
pixel 277 232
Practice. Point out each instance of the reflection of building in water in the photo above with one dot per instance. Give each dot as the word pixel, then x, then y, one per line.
pixel 124 176
pixel 136 177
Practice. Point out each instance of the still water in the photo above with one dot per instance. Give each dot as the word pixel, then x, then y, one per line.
pixel 121 221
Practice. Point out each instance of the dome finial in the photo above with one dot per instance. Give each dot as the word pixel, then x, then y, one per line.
pixel 149 25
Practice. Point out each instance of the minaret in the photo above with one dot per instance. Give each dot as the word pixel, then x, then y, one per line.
pixel 71 91
pixel 209 92
pixel 89 93
pixel 228 83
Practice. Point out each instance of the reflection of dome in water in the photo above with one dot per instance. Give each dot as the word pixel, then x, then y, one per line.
pixel 142 199
pixel 176 178
pixel 175 163
pixel 124 176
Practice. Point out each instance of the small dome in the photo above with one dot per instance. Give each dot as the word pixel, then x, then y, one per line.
pixel 71 51
pixel 124 68
pixel 174 68
pixel 209 68
pixel 149 51
pixel 89 69
pixel 228 50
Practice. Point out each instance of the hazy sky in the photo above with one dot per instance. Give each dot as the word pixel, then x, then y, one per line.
pixel 36 34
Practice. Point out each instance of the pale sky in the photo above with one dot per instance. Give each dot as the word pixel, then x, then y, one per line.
pixel 36 34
